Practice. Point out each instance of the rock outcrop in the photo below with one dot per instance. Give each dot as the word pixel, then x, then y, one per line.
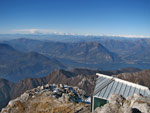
pixel 49 98
pixel 133 104
pixel 82 78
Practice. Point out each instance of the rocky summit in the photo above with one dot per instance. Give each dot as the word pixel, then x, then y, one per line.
pixel 118 104
pixel 50 98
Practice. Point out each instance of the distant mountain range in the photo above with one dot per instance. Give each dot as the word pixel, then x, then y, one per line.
pixel 135 51
pixel 35 58
pixel 68 37
pixel 15 65
pixel 88 52
pixel 94 52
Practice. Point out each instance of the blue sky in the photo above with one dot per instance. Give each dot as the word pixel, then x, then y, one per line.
pixel 109 17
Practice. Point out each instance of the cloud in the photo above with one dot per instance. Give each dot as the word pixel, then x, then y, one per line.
pixel 50 31
pixel 36 31
pixel 123 36
pixel 128 36
pixel 41 31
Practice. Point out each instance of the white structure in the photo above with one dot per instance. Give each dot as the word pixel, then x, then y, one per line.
pixel 108 85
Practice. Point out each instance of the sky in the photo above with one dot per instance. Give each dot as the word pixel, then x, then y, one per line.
pixel 95 17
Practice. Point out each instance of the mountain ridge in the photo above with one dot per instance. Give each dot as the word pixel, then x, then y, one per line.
pixel 16 65
pixel 87 52
pixel 93 52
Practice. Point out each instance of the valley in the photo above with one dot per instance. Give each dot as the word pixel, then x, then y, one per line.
pixel 107 53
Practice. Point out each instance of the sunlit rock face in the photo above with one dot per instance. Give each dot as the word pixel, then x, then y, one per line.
pixel 49 98
pixel 133 104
